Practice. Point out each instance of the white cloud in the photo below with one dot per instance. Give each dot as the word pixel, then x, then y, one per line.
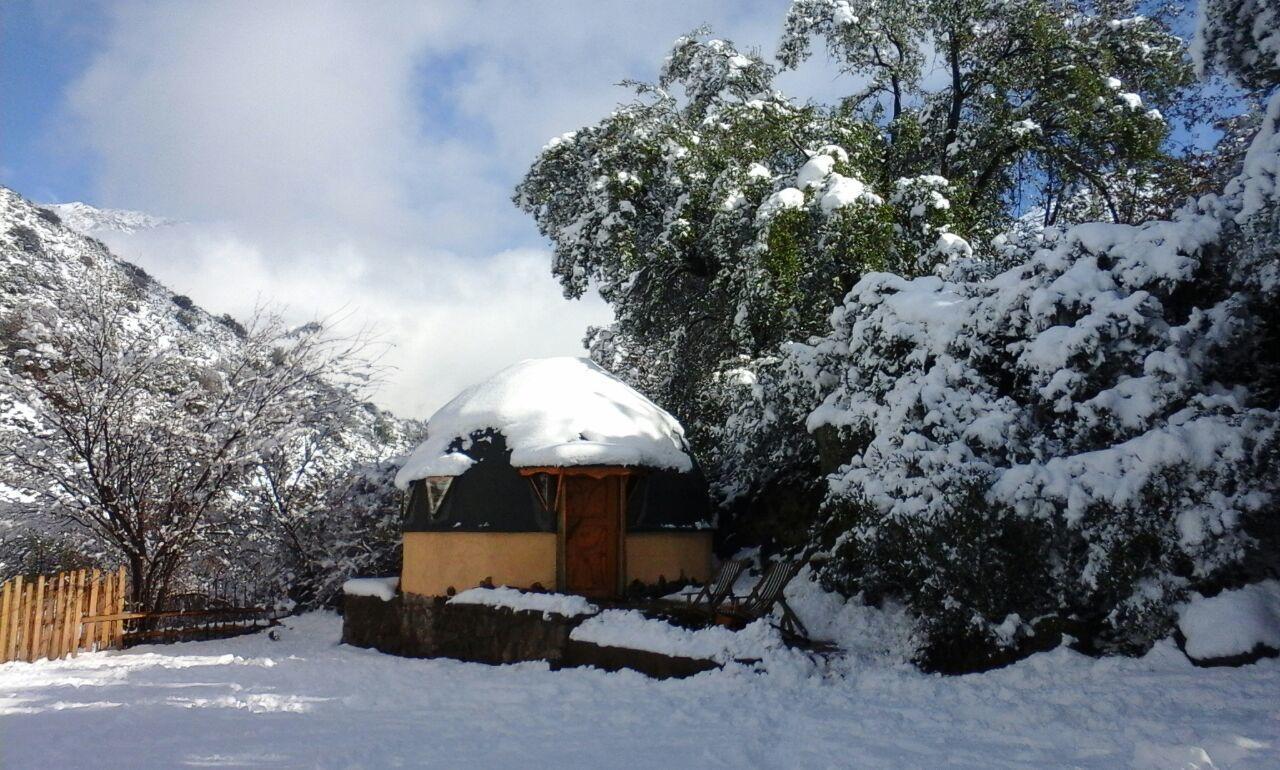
pixel 362 156
pixel 448 323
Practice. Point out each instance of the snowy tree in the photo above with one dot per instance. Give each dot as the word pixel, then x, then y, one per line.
pixel 722 220
pixel 325 508
pixel 719 219
pixel 142 438
pixel 1071 446
pixel 1024 98
pixel 1240 38
pixel 27 551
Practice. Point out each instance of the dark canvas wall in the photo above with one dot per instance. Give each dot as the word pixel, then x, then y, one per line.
pixel 662 500
pixel 492 496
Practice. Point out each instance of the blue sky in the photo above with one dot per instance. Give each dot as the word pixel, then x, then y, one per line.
pixel 43 47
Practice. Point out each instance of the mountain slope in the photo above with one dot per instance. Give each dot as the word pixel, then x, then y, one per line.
pixel 91 220
pixel 44 262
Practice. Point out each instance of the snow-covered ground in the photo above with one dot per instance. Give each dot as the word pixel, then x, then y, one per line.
pixel 307 701
pixel 521 601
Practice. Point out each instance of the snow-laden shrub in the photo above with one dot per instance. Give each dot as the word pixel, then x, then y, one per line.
pixel 1071 445
pixel 770 483
pixel 326 523
pixel 1240 37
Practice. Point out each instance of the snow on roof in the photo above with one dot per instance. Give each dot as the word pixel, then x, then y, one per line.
pixel 553 412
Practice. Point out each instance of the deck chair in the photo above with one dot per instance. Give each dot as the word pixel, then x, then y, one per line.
pixel 765 595
pixel 714 592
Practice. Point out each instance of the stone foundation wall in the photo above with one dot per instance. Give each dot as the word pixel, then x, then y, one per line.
pixel 429 627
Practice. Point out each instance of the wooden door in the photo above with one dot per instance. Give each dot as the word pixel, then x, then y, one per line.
pixel 592 524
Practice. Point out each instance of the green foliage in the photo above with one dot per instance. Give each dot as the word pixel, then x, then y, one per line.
pixel 1021 101
pixel 722 220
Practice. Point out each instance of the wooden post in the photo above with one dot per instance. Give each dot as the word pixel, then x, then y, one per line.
pixel 108 608
pixel 81 611
pixel 8 621
pixel 91 631
pixel 119 624
pixel 72 636
pixel 48 614
pixel 59 647
pixel 17 618
pixel 53 630
pixel 65 585
pixel 13 637
pixel 64 627
pixel 35 648
pixel 4 620
pixel 24 601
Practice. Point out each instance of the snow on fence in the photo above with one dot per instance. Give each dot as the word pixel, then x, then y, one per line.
pixel 52 617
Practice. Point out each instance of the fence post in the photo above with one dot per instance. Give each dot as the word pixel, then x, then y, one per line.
pixel 57 648
pixel 91 632
pixel 108 608
pixel 17 616
pixel 74 613
pixel 68 594
pixel 8 621
pixel 17 620
pixel 4 620
pixel 55 619
pixel 37 622
pixel 119 624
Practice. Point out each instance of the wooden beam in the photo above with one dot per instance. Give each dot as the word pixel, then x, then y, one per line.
pixel 53 634
pixel 594 471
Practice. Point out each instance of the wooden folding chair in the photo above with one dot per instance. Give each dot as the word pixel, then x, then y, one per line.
pixel 713 593
pixel 765 595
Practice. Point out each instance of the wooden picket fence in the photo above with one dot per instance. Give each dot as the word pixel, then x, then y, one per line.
pixel 53 617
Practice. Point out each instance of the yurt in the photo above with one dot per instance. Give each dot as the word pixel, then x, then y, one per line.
pixel 553 474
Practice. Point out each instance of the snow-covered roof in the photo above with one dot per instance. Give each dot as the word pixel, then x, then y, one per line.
pixel 553 412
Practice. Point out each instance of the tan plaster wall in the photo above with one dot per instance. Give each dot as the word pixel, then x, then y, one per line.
pixel 436 561
pixel 672 555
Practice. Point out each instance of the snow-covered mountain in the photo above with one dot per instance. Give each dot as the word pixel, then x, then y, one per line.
pixel 43 256
pixel 91 220
pixel 45 260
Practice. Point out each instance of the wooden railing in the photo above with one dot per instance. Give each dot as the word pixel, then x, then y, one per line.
pixel 52 617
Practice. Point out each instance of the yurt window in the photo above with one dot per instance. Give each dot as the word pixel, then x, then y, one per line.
pixel 435 487
pixel 547 487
